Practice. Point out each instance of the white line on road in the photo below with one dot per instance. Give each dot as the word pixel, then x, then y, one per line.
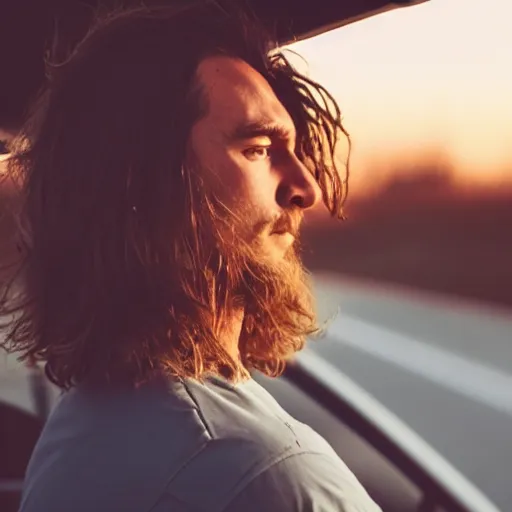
pixel 462 375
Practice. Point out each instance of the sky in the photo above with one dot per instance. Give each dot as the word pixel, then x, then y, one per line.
pixel 432 80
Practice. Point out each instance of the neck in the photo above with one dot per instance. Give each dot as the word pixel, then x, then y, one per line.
pixel 229 332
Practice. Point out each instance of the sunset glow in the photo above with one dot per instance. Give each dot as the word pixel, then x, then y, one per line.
pixel 435 78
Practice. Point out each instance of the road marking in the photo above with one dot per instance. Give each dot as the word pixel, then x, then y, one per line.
pixel 475 380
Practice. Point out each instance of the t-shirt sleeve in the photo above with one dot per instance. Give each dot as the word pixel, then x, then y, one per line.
pixel 305 482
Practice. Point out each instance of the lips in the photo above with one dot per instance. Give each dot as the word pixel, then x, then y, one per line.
pixel 287 225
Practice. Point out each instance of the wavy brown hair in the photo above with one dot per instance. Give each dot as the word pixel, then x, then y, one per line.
pixel 118 276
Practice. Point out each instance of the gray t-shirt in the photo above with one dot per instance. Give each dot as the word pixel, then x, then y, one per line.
pixel 183 446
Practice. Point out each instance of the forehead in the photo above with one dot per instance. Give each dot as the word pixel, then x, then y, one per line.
pixel 237 94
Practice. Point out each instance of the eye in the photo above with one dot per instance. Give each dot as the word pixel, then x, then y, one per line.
pixel 257 153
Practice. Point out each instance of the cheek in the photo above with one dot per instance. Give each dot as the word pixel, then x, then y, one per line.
pixel 244 191
pixel 247 186
pixel 255 203
pixel 252 208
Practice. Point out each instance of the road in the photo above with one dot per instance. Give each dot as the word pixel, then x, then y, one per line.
pixel 444 368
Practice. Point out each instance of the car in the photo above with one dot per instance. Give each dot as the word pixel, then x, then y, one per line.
pixel 403 468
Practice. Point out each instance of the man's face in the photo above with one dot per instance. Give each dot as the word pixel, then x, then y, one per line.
pixel 245 148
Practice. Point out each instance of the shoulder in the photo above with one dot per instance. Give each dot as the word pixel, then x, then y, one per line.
pixel 242 411
pixel 295 480
pixel 260 458
pixel 112 451
pixel 306 482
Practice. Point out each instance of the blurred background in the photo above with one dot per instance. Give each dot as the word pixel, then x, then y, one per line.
pixel 426 97
pixel 418 278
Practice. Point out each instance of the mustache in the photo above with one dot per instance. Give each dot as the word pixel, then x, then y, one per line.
pixel 288 222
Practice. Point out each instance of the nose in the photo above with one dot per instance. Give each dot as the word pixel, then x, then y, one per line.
pixel 298 187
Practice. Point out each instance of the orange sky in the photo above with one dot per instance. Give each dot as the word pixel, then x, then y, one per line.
pixel 436 77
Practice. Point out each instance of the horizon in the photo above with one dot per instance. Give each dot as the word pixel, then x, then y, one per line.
pixel 407 97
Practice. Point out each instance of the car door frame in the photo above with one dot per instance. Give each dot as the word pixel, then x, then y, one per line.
pixel 441 484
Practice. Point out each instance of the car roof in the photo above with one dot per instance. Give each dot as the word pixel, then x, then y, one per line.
pixel 293 20
pixel 301 20
pixel 27 26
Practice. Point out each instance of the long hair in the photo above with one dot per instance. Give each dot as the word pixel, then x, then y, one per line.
pixel 116 277
pixel 28 30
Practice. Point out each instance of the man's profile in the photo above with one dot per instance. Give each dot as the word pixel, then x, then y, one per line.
pixel 165 173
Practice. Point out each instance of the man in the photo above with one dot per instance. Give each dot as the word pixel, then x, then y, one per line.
pixel 166 171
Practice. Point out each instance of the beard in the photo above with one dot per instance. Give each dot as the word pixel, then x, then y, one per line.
pixel 275 294
pixel 279 308
pixel 225 274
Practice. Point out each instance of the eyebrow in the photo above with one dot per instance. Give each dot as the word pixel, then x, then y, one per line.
pixel 260 128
